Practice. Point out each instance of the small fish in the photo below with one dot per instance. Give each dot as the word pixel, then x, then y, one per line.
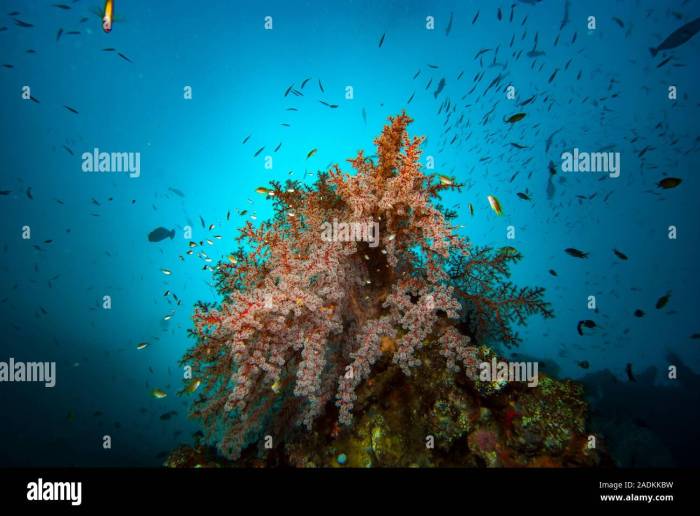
pixel 193 386
pixel 495 205
pixel 124 57
pixel 108 16
pixel 586 323
pixel 61 6
pixel 515 118
pixel 142 345
pixel 523 196
pixel 471 209
pixel 669 182
pixel 630 375
pixel 177 192
pixel 553 272
pixel 58 34
pixel 167 272
pixel 258 152
pixel 381 42
pixel 446 180
pixel 320 86
pixel 663 300
pixel 72 110
pixel 583 364
pixel 263 191
pixel 639 313
pixel 311 153
pixel 575 253
pixel 29 193
pixel 620 255
pixel 158 394
pixel 23 24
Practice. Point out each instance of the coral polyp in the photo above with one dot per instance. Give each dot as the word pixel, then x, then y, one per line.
pixel 306 314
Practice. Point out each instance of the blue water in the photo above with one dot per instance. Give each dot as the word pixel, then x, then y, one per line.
pixel 239 72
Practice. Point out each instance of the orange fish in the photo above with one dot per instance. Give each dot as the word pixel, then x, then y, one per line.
pixel 108 16
pixel 495 205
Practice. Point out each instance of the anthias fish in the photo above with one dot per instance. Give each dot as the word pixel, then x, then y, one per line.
pixel 571 251
pixel 495 205
pixel 108 16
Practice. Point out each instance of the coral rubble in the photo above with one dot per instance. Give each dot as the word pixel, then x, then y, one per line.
pixel 352 351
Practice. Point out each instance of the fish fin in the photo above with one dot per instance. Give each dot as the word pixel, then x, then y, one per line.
pixel 653 51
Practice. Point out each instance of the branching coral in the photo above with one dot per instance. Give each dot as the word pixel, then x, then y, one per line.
pixel 304 319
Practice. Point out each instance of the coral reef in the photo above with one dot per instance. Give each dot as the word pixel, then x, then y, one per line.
pixel 307 323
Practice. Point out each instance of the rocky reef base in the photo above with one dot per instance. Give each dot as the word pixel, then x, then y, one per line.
pixel 434 418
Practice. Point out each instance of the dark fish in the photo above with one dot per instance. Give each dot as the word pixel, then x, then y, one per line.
pixel 110 49
pixel 201 219
pixel 639 313
pixel 476 17
pixel 68 150
pixel 72 110
pixel 619 22
pixel 303 83
pixel 663 300
pixel 411 97
pixel 449 25
pixel 515 118
pixel 73 33
pixel 678 37
pixel 259 151
pixel 278 147
pixel 246 138
pixel 695 336
pixel 29 193
pixel 518 146
pixel 553 272
pixel 583 364
pixel 176 191
pixel 58 34
pixel 587 323
pixel 669 182
pixel 5 192
pixel 8 66
pixel 288 90
pixel 499 14
pixel 320 86
pixel 523 196
pixel 23 24
pixel 620 255
pixel 575 253
pixel 630 375
pixel 61 6
pixel 124 57
pixel 664 62
pixel 381 42
pixel 441 86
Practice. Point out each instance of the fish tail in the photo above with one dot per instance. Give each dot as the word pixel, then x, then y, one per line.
pixel 653 51
pixel 172 234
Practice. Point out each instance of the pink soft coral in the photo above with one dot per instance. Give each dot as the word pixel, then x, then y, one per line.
pixel 303 319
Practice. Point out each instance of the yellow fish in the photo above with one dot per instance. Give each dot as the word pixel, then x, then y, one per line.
pixel 158 394
pixel 262 190
pixel 193 386
pixel 445 180
pixel 495 205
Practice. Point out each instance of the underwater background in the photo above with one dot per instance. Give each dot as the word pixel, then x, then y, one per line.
pixel 89 230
